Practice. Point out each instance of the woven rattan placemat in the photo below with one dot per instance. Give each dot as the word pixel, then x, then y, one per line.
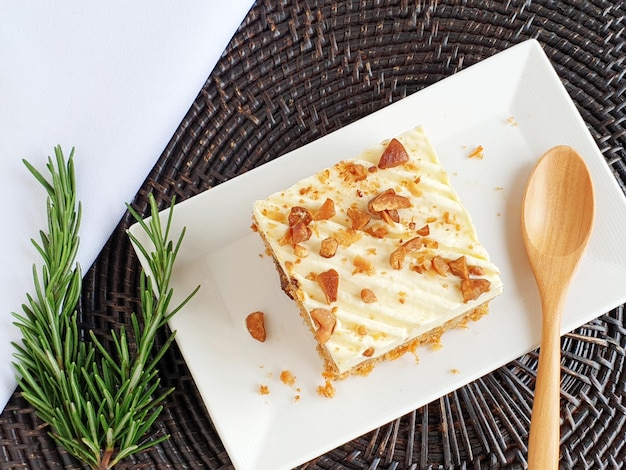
pixel 297 70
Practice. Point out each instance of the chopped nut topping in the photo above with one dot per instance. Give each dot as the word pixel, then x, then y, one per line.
pixel 326 210
pixel 286 239
pixel 424 231
pixel 424 266
pixel 368 296
pixel 255 323
pixel 300 233
pixel 325 322
pixel 347 237
pixel 377 231
pixel 395 154
pixel 353 172
pixel 369 352
pixel 390 216
pixel 328 248
pixel 324 176
pixel 413 187
pixel 299 219
pixel 430 243
pixel 474 288
pixel 329 282
pixel 358 218
pixel 299 214
pixel 397 257
pixel 300 251
pixel 476 271
pixel 450 219
pixel 440 266
pixel 459 268
pixel 388 200
pixel 413 244
pixel 362 266
pixel 419 268
pixel 361 330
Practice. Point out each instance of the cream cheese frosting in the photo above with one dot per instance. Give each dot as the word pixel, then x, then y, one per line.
pixel 380 304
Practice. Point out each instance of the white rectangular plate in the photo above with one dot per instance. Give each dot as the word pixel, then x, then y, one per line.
pixel 512 104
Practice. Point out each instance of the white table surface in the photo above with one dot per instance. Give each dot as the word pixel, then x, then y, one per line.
pixel 114 80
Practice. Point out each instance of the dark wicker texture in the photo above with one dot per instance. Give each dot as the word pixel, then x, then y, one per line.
pixel 297 70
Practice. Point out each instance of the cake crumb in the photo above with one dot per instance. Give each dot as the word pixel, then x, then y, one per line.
pixel 264 389
pixel 435 340
pixel 511 121
pixel 455 371
pixel 327 390
pixel 477 153
pixel 287 378
pixel 415 355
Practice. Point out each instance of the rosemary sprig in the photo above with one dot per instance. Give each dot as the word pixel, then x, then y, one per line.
pixel 100 404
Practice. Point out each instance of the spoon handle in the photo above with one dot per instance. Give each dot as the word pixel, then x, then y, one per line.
pixel 544 438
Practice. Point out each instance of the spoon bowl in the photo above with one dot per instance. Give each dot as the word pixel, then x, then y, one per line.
pixel 558 211
pixel 558 189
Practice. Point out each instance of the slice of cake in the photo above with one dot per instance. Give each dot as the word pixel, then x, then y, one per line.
pixel 378 253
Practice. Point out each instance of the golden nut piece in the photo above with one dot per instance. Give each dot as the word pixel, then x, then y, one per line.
pixel 395 154
pixel 388 200
pixel 328 247
pixel 329 282
pixel 368 296
pixel 255 323
pixel 474 288
pixel 325 322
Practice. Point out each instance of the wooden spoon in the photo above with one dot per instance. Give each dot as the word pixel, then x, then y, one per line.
pixel 557 218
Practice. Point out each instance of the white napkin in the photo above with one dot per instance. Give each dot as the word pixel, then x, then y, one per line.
pixel 114 80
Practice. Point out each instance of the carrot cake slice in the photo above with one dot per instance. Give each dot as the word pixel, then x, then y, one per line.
pixel 378 253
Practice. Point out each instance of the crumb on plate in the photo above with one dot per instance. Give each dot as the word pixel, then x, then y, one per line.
pixel 327 390
pixel 477 153
pixel 287 378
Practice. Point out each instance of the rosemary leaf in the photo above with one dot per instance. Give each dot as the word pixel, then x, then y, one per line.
pixel 99 403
